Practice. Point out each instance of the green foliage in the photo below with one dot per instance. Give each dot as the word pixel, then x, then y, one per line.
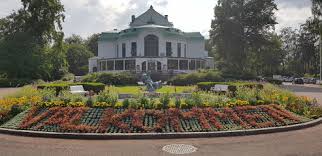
pixel 96 87
pixel 91 43
pixel 123 78
pixel 273 81
pixel 77 57
pixel 107 96
pixel 31 41
pixel 234 36
pixel 194 78
pixel 165 100
pixel 5 82
pixel 74 40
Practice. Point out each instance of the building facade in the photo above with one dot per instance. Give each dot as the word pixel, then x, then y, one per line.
pixel 151 43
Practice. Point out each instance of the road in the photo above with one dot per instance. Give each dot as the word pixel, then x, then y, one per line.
pixel 306 142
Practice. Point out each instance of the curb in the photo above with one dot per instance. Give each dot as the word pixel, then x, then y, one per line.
pixel 96 136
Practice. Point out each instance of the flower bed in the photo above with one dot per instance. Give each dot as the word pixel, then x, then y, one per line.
pixel 109 120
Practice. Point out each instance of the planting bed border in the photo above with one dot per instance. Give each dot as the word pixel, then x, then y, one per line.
pixel 98 136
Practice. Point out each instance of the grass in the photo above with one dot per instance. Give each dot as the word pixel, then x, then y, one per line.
pixel 177 89
pixel 164 89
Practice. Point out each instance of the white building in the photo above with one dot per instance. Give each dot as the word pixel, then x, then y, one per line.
pixel 151 43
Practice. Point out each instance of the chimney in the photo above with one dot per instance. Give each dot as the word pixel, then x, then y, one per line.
pixel 133 18
pixel 166 17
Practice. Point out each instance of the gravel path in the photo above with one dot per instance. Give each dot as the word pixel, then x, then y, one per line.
pixel 306 142
pixel 7 91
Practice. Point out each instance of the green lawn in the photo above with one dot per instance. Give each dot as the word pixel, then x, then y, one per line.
pixel 164 89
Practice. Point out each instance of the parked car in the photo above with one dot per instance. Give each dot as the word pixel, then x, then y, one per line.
pixel 305 80
pixel 312 81
pixel 298 81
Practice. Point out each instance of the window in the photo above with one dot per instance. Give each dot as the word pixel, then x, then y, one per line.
pixel 185 50
pixel 151 45
pixel 103 65
pixel 198 66
pixel 119 65
pixel 183 64
pixel 133 49
pixel 168 49
pixel 192 65
pixel 117 51
pixel 129 64
pixel 173 64
pixel 123 50
pixel 179 49
pixel 110 65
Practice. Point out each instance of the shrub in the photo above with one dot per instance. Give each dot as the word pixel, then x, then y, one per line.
pixel 5 82
pixel 108 97
pixel 273 81
pixel 124 78
pixel 58 87
pixel 194 78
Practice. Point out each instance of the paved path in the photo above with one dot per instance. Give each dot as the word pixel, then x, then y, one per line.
pixel 306 142
pixel 313 91
pixel 7 91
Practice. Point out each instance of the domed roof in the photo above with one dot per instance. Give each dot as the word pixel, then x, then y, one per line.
pixel 150 17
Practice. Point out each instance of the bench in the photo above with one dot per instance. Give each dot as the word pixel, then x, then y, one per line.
pixel 219 88
pixel 78 90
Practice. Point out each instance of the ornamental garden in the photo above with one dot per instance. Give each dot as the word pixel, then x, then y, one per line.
pixel 193 108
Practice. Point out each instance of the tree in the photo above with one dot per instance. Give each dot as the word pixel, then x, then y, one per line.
pixel 92 43
pixel 240 28
pixel 77 57
pixel 317 13
pixel 26 36
pixel 74 39
pixel 289 39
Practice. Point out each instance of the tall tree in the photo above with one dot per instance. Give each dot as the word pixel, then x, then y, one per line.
pixel 92 42
pixel 77 57
pixel 74 39
pixel 26 36
pixel 240 27
pixel 317 13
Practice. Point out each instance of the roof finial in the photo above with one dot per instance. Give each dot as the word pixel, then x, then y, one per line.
pixel 151 7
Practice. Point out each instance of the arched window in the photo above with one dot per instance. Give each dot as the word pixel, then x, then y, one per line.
pixel 151 45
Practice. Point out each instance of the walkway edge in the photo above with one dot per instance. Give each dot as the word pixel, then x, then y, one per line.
pixel 97 136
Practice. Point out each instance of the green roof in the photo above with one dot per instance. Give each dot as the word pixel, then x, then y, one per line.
pixel 171 32
pixel 108 36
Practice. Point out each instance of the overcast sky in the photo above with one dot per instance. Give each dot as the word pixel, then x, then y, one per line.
pixel 85 17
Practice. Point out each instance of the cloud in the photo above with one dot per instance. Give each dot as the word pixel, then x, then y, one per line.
pixel 85 17
pixel 292 13
pixel 294 3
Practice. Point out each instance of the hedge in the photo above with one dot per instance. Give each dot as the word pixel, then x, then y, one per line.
pixel 232 86
pixel 124 78
pixel 194 78
pixel 96 87
pixel 273 81
pixel 4 82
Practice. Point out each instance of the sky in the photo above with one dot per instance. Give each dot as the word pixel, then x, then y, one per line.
pixel 85 17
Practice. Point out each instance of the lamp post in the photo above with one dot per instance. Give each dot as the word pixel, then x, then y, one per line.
pixel 321 52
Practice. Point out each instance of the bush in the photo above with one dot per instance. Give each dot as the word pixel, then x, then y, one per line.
pixel 58 87
pixel 273 81
pixel 194 78
pixel 4 82
pixel 124 78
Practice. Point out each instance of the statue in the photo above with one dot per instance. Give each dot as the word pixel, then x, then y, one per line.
pixel 150 85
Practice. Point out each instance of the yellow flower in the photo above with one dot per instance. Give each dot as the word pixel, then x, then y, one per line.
pixel 118 105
